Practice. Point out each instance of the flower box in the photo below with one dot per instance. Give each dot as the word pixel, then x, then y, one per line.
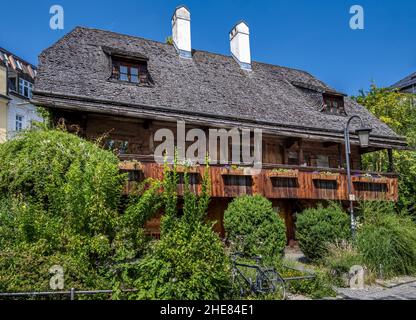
pixel 130 166
pixel 236 172
pixel 183 169
pixel 283 174
pixel 366 179
pixel 325 176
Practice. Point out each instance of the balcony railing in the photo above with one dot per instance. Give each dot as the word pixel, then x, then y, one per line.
pixel 276 181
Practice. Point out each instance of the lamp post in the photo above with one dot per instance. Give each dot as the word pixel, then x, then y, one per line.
pixel 363 136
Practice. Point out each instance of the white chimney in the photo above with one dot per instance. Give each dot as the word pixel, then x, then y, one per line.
pixel 181 31
pixel 240 45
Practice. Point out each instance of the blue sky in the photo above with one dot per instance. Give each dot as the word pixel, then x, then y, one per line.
pixel 310 35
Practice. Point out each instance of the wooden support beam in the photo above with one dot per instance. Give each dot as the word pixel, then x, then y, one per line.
pixel 301 155
pixel 391 160
pixel 339 155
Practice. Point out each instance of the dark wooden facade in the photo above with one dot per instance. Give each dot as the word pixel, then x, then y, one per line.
pixel 290 177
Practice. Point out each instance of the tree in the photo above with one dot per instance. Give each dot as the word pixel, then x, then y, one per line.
pixel 398 110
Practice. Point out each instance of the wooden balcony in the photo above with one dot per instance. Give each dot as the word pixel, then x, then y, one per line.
pixel 277 182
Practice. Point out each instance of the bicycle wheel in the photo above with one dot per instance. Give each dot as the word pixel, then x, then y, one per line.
pixel 274 283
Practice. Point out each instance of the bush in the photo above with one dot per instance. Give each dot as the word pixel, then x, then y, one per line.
pixel 318 287
pixel 59 206
pixel 318 227
pixel 386 240
pixel 253 219
pixel 189 261
pixel 64 175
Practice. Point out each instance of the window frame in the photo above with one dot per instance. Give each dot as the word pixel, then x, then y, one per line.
pixel 334 104
pixel 137 72
pixel 19 121
pixel 24 84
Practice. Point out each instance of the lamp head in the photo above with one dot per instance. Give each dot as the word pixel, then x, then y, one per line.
pixel 363 136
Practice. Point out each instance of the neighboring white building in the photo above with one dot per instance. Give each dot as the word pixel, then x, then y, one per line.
pixel 19 113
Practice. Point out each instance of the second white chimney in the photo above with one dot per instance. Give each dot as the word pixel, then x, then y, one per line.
pixel 240 45
pixel 181 31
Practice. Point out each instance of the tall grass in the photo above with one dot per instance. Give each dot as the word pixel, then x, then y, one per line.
pixel 387 240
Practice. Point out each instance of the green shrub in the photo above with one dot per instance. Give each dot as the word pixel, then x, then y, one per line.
pixel 318 287
pixel 386 240
pixel 59 205
pixel 253 219
pixel 63 174
pixel 189 262
pixel 318 227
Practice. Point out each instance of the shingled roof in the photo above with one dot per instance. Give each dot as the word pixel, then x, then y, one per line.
pixel 209 88
pixel 407 83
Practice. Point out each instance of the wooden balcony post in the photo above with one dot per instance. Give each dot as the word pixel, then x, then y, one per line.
pixel 391 162
pixel 301 156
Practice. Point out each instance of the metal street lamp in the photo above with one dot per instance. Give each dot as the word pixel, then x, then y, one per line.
pixel 363 136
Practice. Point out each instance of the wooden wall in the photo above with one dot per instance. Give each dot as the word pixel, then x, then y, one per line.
pixel 138 134
pixel 310 185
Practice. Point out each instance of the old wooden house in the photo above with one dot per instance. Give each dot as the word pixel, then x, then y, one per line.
pixel 127 87
pixel 407 84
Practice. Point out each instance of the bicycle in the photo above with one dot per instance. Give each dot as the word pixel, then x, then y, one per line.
pixel 256 278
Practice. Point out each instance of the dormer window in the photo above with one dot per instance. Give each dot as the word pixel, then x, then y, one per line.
pixel 130 71
pixel 333 104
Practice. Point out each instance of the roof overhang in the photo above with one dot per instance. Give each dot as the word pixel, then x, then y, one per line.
pixel 109 107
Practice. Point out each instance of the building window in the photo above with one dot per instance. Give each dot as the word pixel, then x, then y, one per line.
pixel 25 88
pixel 119 146
pixel 293 158
pixel 333 104
pixel 322 161
pixel 19 123
pixel 130 71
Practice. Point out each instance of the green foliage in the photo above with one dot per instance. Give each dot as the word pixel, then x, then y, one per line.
pixel 318 287
pixel 252 221
pixel 169 40
pixel 187 263
pixel 386 240
pixel 64 175
pixel 59 205
pixel 339 260
pixel 318 227
pixel 189 260
pixel 398 110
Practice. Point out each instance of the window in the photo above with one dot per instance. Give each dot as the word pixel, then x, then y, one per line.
pixel 293 158
pixel 19 123
pixel 322 161
pixel 12 84
pixel 25 88
pixel 130 71
pixel 333 104
pixel 120 146
pixel 19 65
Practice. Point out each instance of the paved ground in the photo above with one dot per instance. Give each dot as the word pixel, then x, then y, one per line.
pixel 405 291
pixel 401 288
